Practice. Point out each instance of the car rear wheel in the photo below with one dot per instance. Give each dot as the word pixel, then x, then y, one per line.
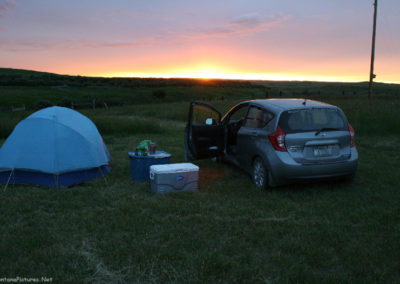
pixel 260 174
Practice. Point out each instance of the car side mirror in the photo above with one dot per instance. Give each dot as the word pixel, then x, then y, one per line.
pixel 210 121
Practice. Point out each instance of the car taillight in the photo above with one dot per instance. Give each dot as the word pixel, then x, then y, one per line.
pixel 352 138
pixel 278 139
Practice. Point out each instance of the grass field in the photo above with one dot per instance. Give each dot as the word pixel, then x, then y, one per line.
pixel 118 231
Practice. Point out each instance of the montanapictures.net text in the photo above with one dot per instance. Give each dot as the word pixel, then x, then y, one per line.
pixel 26 279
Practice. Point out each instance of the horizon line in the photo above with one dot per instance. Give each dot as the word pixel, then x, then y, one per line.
pixel 233 77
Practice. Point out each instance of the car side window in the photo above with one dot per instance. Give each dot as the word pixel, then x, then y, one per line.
pixel 257 117
pixel 238 114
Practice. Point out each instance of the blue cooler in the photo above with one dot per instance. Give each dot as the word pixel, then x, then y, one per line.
pixel 140 165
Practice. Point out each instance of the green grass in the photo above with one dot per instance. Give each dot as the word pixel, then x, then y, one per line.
pixel 228 231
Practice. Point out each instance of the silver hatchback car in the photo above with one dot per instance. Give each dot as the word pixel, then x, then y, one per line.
pixel 277 141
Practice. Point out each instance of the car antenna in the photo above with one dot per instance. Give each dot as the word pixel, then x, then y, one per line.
pixel 304 103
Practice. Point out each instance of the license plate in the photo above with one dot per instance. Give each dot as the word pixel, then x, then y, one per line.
pixel 323 151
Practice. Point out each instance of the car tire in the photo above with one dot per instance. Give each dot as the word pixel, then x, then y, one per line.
pixel 260 174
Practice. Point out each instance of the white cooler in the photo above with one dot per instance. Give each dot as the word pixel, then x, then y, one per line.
pixel 174 177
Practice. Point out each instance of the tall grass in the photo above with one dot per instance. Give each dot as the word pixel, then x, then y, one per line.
pixel 375 117
pixel 8 120
pixel 111 125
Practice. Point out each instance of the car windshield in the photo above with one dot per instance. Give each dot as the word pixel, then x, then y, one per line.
pixel 312 119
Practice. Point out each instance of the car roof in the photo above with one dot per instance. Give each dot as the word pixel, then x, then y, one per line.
pixel 285 104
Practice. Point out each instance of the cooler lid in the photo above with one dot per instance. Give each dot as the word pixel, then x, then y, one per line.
pixel 174 168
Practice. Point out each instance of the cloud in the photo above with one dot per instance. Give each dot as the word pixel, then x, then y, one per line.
pixel 6 5
pixel 43 45
pixel 252 23
pixel 96 20
pixel 112 14
pixel 243 25
pixel 248 20
pixel 26 45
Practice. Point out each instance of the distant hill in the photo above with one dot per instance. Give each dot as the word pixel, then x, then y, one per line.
pixel 67 85
pixel 21 72
pixel 20 77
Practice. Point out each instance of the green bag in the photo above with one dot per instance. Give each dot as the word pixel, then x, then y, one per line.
pixel 144 147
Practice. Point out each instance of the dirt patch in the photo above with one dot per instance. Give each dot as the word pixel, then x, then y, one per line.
pixel 208 176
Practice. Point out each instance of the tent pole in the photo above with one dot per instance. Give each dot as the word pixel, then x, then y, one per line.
pixel 104 176
pixel 5 187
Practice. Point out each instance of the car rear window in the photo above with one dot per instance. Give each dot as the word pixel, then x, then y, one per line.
pixel 312 119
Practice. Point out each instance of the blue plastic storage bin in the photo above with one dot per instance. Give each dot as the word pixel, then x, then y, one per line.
pixel 140 165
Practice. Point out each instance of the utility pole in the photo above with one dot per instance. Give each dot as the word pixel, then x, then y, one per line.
pixel 371 73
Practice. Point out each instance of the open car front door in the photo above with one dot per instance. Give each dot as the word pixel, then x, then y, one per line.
pixel 204 133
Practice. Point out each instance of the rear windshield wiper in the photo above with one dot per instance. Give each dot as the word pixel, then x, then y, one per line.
pixel 326 129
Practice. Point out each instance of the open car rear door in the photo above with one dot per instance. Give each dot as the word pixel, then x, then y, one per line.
pixel 204 133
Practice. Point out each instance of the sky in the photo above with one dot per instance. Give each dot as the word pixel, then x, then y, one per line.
pixel 314 40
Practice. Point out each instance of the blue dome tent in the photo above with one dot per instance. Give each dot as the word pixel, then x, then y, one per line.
pixel 55 147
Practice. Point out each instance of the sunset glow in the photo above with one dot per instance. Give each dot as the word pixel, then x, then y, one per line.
pixel 247 40
pixel 212 74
